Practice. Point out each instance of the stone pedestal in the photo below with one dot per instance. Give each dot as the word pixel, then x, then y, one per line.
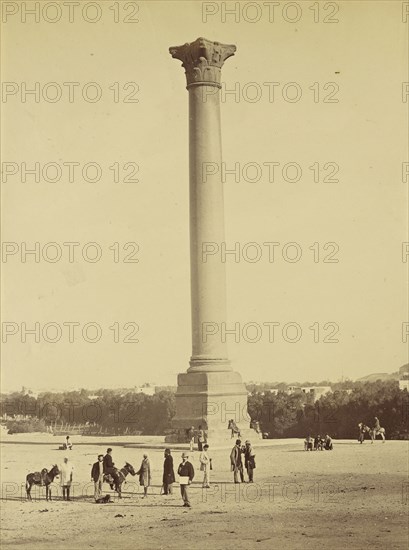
pixel 210 399
pixel 209 393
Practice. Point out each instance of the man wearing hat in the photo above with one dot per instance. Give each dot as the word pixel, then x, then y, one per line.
pixel 191 436
pixel 109 466
pixel 205 463
pixel 186 474
pixel 236 463
pixel 97 476
pixel 249 460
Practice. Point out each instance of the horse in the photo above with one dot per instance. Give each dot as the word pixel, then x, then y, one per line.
pixel 122 473
pixel 235 430
pixel 44 477
pixel 377 431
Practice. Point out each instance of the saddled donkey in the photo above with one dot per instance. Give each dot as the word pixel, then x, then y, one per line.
pixel 43 478
pixel 122 473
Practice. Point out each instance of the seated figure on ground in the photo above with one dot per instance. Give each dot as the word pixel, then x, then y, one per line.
pixel 328 443
pixel 308 443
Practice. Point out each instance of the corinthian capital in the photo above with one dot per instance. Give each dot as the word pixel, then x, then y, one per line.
pixel 203 60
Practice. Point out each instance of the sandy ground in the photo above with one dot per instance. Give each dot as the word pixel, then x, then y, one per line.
pixel 355 496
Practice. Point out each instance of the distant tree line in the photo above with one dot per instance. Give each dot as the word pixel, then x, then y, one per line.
pixel 29 425
pixel 128 412
pixel 337 413
pixel 281 415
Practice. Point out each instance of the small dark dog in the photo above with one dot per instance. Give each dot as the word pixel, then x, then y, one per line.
pixel 104 500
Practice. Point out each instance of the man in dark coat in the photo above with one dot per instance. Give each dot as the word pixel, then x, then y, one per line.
pixel 109 466
pixel 168 473
pixel 236 462
pixel 200 439
pixel 186 473
pixel 249 460
pixel 97 476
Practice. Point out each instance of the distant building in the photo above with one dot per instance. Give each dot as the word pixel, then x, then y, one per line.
pixel 147 389
pixel 404 378
pixel 316 391
pixel 404 384
pixel 274 391
pixel 293 389
pixel 27 391
pixel 404 370
pixel 165 388
pixel 313 391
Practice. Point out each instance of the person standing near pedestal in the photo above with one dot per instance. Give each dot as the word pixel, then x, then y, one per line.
pixel 205 462
pixel 200 438
pixel 236 462
pixel 249 460
pixel 191 436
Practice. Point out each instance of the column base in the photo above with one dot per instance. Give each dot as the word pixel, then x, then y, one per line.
pixel 215 438
pixel 211 400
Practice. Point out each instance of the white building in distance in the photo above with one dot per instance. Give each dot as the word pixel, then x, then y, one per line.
pixel 147 389
pixel 404 384
pixel 315 391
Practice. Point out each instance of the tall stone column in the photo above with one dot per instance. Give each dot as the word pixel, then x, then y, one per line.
pixel 210 393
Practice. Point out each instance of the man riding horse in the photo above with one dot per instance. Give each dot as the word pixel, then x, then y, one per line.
pixel 377 430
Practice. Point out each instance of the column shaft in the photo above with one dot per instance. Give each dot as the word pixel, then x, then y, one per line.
pixel 208 278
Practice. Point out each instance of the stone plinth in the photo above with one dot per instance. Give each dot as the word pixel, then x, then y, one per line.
pixel 210 399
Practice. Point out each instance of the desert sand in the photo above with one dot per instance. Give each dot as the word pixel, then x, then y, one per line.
pixel 355 496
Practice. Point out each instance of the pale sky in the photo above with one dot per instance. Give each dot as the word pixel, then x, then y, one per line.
pixel 365 134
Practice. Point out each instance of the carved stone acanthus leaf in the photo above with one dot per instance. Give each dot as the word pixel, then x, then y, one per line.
pixel 203 60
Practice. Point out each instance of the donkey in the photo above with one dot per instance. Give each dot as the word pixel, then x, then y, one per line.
pixel 122 473
pixel 42 478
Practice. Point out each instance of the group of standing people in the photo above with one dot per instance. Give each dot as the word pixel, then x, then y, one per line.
pixel 199 435
pixel 105 466
pixel 236 461
pixel 186 473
